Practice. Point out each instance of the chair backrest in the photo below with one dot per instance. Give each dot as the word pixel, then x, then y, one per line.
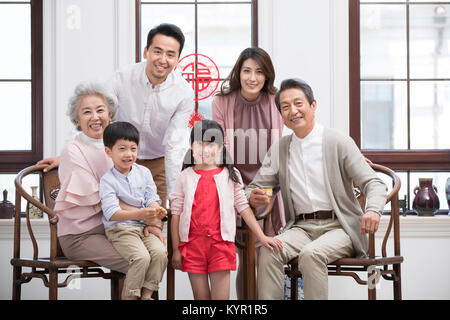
pixel 51 185
pixel 50 188
pixel 392 197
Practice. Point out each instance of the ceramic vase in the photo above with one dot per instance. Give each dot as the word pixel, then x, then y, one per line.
pixel 34 212
pixel 426 201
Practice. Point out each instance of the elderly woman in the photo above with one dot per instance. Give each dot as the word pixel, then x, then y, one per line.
pixel 245 108
pixel 82 163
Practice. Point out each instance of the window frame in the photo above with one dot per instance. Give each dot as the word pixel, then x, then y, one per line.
pixel 401 160
pixel 138 22
pixel 14 161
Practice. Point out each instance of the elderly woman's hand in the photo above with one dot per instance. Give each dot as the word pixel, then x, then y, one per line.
pixel 156 231
pixel 52 163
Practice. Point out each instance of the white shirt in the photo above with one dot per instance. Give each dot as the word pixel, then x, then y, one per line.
pixel 306 173
pixel 161 114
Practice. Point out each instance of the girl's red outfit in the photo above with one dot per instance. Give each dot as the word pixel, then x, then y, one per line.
pixel 205 250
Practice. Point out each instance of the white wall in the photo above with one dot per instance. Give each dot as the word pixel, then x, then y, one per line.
pixel 309 40
pixel 83 40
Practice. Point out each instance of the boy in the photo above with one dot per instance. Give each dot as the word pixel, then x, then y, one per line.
pixel 132 184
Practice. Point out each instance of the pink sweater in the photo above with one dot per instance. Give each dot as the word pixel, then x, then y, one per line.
pixel 231 197
pixel 81 166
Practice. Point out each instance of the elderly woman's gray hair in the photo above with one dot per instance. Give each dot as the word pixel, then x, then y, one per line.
pixel 91 88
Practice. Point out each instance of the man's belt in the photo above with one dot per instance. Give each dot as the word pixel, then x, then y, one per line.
pixel 315 215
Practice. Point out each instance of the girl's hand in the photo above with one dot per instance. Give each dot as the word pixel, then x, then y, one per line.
pixel 270 243
pixel 176 259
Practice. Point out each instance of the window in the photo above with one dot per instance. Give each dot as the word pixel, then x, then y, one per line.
pixel 20 84
pixel 20 91
pixel 400 88
pixel 217 29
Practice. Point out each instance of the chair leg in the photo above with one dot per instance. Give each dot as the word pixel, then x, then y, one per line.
pixel 17 285
pixel 294 287
pixel 116 287
pixel 53 285
pixel 397 283
pixel 251 274
pixel 170 294
pixel 372 291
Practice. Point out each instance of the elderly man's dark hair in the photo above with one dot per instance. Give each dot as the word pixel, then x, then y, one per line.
pixel 294 83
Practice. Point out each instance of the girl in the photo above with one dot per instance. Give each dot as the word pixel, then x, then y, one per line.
pixel 246 103
pixel 203 204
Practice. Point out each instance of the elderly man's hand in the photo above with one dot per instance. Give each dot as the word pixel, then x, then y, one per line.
pixel 258 198
pixel 370 222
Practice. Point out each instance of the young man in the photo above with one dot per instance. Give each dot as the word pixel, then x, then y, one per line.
pixel 132 184
pixel 315 168
pixel 158 101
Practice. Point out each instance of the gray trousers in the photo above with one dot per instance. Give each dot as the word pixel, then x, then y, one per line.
pixel 316 242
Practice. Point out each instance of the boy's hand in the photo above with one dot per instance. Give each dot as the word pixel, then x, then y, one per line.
pixel 176 259
pixel 270 243
pixel 161 213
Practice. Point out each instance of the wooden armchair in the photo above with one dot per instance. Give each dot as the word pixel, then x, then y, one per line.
pixel 48 268
pixel 349 266
pixel 247 245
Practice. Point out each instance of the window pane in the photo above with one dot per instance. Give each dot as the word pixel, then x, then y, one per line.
pixel 182 15
pixel 204 106
pixel 249 1
pixel 7 183
pixel 224 30
pixel 15 128
pixel 372 1
pixel 439 180
pixel 430 41
pixel 144 2
pixel 15 35
pixel 428 1
pixel 384 115
pixel 383 41
pixel 430 115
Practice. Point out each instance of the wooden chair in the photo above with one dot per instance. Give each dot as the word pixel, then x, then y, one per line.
pixel 349 266
pixel 48 268
pixel 247 245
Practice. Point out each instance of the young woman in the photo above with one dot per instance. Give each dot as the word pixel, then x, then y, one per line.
pixel 245 108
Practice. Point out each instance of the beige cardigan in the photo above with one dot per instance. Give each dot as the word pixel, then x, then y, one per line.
pixel 343 164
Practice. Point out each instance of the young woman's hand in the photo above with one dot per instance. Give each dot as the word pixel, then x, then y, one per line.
pixel 271 243
pixel 176 259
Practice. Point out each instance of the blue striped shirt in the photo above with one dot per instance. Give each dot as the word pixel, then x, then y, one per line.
pixel 136 189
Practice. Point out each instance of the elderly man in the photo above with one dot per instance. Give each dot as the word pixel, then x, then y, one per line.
pixel 315 168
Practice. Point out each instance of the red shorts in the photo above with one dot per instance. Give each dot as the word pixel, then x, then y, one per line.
pixel 204 254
